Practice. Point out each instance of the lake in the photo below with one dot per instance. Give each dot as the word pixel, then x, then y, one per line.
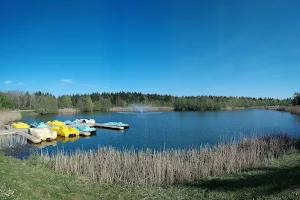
pixel 159 130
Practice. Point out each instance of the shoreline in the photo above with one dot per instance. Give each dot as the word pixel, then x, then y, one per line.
pixel 154 108
pixel 290 109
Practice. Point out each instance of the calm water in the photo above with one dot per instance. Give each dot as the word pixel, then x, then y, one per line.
pixel 175 129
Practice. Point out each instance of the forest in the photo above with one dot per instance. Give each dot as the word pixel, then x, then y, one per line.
pixel 44 103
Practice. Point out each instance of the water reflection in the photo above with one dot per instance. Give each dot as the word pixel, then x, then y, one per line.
pixel 67 139
pixel 44 144
pixel 298 118
pixel 11 140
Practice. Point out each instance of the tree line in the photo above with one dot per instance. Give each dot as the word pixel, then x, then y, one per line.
pixel 296 99
pixel 44 103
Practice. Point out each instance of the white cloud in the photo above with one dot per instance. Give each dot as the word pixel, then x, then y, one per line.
pixel 8 82
pixel 66 81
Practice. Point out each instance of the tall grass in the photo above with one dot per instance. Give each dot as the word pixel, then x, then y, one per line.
pixel 8 116
pixel 291 109
pixel 11 140
pixel 109 165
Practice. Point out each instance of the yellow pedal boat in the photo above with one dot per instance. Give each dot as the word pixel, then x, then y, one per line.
pixel 55 123
pixel 20 125
pixel 65 131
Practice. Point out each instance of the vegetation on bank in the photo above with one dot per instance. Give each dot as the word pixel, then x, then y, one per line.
pixel 8 116
pixel 44 103
pixel 167 167
pixel 296 99
pixel 68 111
pixel 291 109
pixel 28 179
pixel 28 113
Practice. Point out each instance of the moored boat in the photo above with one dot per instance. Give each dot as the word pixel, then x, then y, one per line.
pixel 20 125
pixel 43 133
pixel 65 131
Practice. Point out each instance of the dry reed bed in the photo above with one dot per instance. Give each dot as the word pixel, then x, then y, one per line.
pixel 8 116
pixel 291 109
pixel 68 111
pixel 108 165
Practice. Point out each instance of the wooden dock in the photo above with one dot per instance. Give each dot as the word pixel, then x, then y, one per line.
pixel 21 133
pixel 85 133
pixel 98 125
pixel 29 137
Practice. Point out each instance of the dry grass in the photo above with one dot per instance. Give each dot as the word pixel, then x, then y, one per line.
pixel 8 116
pixel 68 111
pixel 108 165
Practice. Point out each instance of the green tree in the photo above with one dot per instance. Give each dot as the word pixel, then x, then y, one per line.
pixel 85 103
pixel 5 102
pixel 102 104
pixel 65 102
pixel 45 104
pixel 296 99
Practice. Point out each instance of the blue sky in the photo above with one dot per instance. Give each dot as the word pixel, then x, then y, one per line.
pixel 234 47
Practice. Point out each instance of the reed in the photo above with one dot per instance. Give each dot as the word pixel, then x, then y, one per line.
pixel 68 111
pixel 291 109
pixel 11 140
pixel 166 167
pixel 8 116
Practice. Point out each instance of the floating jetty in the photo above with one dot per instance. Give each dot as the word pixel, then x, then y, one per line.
pixel 85 133
pixel 21 133
pixel 98 125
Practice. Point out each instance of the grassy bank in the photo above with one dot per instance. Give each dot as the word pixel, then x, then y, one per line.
pixel 8 116
pixel 28 113
pixel 291 109
pixel 167 167
pixel 21 179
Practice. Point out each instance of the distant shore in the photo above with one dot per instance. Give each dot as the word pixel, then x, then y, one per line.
pixel 154 108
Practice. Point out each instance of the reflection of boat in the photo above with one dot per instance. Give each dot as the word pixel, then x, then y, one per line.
pixel 44 144
pixel 20 125
pixel 43 133
pixel 65 131
pixel 67 139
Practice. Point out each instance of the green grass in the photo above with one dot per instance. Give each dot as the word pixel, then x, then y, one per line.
pixel 28 113
pixel 22 179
